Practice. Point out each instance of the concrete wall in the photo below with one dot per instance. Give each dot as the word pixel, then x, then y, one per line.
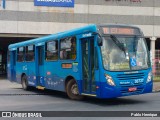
pixel 22 17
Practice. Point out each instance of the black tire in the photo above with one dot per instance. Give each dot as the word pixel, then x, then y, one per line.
pixel 24 83
pixel 72 90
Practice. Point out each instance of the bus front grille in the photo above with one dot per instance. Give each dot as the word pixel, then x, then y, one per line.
pixel 132 85
pixel 132 76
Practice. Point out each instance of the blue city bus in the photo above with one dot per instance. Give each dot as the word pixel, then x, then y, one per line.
pixel 103 61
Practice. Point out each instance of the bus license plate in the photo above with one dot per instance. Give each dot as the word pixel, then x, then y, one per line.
pixel 132 89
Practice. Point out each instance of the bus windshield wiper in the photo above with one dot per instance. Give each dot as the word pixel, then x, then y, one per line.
pixel 120 46
pixel 116 41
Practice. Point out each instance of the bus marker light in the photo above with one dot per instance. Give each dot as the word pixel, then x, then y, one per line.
pixel 132 89
pixel 48 73
pixel 40 87
pixel 97 87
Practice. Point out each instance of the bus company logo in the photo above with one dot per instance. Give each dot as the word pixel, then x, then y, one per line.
pixel 132 83
pixel 24 67
pixel 87 35
pixel 125 83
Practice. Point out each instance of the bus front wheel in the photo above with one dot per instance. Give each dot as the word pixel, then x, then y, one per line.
pixel 72 90
pixel 25 82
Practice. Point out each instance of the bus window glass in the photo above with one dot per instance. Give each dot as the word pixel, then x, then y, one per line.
pixel 30 48
pixel 68 48
pixel 20 54
pixel 52 50
pixel 30 53
pixel 124 53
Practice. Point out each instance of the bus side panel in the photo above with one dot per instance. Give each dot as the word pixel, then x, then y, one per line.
pixel 31 73
pixel 21 68
pixel 27 68
pixel 53 80
pixel 56 75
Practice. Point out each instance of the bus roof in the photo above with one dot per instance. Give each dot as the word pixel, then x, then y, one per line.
pixel 86 29
pixel 117 25
pixel 76 31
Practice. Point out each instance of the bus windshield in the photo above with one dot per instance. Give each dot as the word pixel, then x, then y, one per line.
pixel 121 53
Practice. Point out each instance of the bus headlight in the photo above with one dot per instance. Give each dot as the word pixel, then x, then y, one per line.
pixel 149 77
pixel 109 80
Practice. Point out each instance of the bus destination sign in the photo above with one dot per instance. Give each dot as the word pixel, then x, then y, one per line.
pixel 114 30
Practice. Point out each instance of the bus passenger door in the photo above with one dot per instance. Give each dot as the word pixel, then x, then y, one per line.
pixel 40 65
pixel 88 66
pixel 13 65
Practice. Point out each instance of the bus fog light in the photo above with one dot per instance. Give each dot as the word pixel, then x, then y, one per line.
pixel 149 77
pixel 109 80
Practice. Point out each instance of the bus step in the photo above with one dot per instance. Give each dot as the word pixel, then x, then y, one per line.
pixel 93 95
pixel 40 87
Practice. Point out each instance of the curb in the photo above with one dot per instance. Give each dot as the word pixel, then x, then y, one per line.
pixel 155 91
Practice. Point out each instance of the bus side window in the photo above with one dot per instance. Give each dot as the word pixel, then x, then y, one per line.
pixel 30 53
pixel 68 48
pixel 20 54
pixel 52 50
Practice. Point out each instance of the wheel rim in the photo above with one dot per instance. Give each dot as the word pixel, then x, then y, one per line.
pixel 74 89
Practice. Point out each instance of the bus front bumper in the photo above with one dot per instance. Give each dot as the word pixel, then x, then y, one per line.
pixel 113 92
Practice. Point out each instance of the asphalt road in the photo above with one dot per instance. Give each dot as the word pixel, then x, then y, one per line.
pixel 14 98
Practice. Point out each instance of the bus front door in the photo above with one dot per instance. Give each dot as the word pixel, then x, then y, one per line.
pixel 13 65
pixel 40 66
pixel 88 66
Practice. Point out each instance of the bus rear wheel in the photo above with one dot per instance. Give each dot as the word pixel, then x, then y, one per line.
pixel 72 90
pixel 25 83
